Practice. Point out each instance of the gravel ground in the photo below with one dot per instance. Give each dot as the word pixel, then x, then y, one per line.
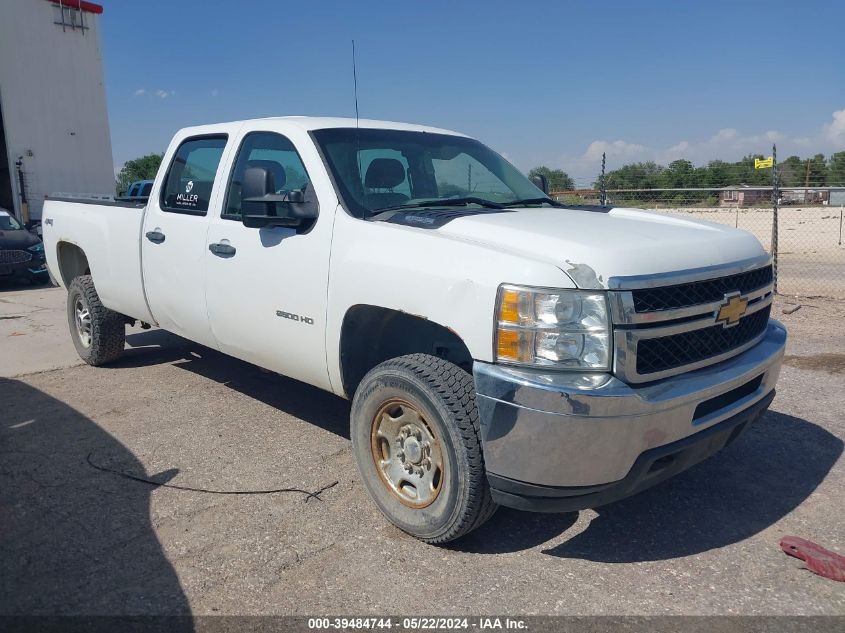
pixel 812 253
pixel 81 540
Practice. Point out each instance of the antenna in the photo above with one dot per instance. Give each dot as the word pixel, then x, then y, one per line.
pixel 355 83
pixel 357 126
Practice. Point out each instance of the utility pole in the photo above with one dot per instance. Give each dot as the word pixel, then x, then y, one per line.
pixel 602 186
pixel 807 183
pixel 775 196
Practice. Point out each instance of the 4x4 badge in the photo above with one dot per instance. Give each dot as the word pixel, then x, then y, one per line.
pixel 732 309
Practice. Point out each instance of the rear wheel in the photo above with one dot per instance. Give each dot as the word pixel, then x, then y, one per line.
pixel 417 443
pixel 99 334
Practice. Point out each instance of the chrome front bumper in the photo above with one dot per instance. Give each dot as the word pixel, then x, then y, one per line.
pixel 563 435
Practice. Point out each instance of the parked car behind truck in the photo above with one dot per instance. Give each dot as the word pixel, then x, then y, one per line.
pixel 21 251
pixel 498 348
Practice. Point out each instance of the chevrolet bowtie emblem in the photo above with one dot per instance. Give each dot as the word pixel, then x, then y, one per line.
pixel 732 310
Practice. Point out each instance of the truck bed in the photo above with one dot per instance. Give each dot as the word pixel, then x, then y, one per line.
pixel 108 233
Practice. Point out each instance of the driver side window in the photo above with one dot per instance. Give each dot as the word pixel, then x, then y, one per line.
pixel 274 153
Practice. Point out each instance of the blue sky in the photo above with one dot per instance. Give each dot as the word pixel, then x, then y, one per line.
pixel 554 83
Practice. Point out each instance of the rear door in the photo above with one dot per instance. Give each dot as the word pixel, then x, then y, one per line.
pixel 173 240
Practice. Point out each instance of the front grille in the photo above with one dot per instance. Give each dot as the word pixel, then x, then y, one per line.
pixel 698 292
pixel 14 257
pixel 676 350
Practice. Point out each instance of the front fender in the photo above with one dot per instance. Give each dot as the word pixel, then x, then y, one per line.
pixel 452 282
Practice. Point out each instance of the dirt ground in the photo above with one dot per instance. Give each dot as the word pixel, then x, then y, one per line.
pixel 811 259
pixel 80 540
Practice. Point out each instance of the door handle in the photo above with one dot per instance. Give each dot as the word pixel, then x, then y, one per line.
pixel 157 237
pixel 222 250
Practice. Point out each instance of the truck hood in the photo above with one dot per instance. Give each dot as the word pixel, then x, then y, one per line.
pixel 593 246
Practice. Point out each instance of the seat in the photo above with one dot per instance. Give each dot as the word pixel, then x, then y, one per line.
pixel 384 174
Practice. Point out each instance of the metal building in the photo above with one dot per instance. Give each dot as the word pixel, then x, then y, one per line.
pixel 54 127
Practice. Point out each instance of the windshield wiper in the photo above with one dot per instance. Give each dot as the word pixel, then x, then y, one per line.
pixel 527 201
pixel 438 202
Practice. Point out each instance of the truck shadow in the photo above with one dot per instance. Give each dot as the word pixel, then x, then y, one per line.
pixel 14 284
pixel 313 405
pixel 737 493
pixel 747 487
pixel 75 540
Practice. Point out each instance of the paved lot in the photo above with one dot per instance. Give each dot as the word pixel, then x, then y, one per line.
pixel 79 540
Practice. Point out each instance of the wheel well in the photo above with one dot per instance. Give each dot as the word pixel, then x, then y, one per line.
pixel 371 335
pixel 72 262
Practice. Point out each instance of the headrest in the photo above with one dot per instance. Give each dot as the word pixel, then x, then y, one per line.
pixel 273 167
pixel 384 173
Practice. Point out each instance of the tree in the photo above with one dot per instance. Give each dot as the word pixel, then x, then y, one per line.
pixel 717 174
pixel 680 173
pixel 836 169
pixel 791 172
pixel 648 175
pixel 816 175
pixel 558 179
pixel 143 168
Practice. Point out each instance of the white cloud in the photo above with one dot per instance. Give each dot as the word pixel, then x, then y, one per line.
pixel 835 130
pixel 614 148
pixel 724 135
pixel 139 92
pixel 725 144
pixel 163 94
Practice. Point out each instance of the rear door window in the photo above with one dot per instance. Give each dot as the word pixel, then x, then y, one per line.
pixel 190 177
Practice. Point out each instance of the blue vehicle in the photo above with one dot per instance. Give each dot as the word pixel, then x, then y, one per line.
pixel 138 190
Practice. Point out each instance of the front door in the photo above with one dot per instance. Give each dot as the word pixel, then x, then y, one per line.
pixel 266 288
pixel 173 240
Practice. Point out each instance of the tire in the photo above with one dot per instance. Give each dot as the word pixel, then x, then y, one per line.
pixel 432 404
pixel 102 336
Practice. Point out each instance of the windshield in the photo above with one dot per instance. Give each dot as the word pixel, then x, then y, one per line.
pixel 380 169
pixel 8 222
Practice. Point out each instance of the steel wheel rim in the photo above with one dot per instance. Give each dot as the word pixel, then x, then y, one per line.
pixel 82 316
pixel 407 454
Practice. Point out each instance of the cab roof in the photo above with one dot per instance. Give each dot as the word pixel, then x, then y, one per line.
pixel 309 123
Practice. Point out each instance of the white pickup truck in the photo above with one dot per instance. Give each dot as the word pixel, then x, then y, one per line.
pixel 499 348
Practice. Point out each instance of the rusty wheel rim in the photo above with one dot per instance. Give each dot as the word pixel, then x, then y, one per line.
pixel 407 454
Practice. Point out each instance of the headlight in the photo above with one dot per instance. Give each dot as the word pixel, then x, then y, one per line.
pixel 566 329
pixel 36 248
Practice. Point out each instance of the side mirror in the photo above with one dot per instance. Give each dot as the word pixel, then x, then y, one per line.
pixel 541 182
pixel 258 189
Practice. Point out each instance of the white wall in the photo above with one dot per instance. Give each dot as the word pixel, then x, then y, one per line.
pixel 54 103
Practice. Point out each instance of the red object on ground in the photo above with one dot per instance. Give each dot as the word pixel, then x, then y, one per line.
pixel 818 560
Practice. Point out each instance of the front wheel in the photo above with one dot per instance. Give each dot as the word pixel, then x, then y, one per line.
pixel 416 440
pixel 99 334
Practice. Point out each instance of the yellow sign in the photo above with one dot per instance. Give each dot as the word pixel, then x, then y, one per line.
pixel 762 163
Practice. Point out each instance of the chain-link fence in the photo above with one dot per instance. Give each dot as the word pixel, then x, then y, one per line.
pixel 807 245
